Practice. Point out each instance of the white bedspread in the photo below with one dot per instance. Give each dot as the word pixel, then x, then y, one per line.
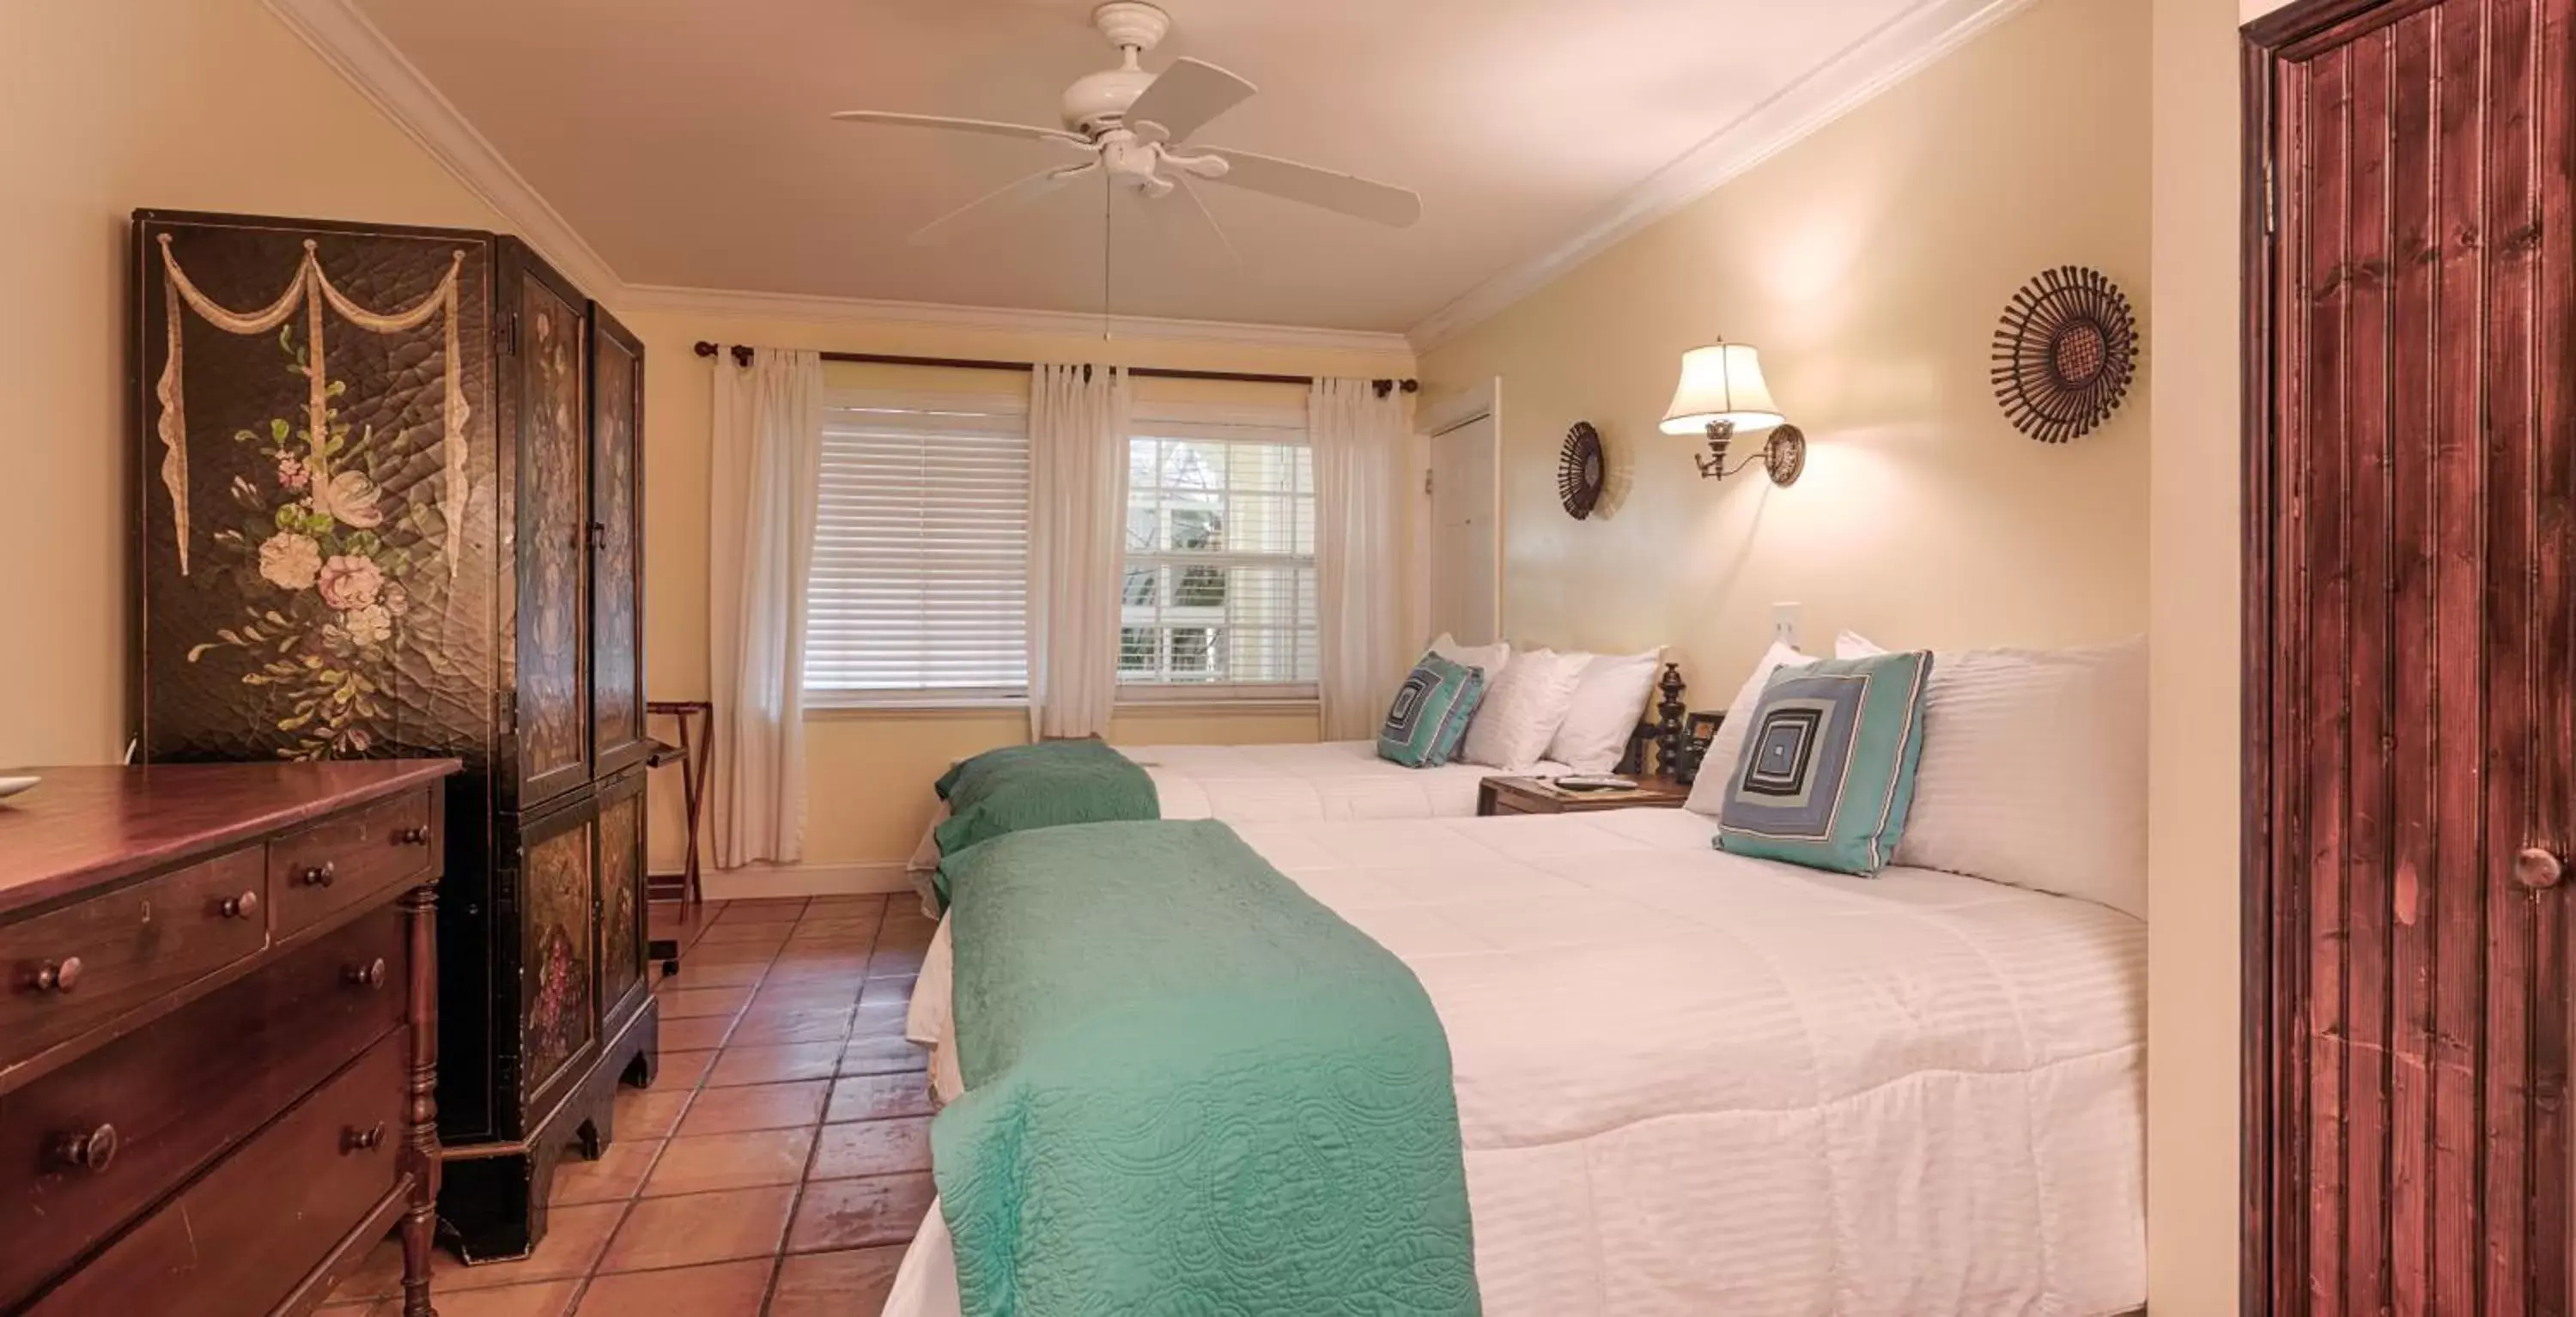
pixel 1307 782
pixel 1694 1083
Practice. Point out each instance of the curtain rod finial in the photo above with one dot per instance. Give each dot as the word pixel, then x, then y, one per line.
pixel 705 348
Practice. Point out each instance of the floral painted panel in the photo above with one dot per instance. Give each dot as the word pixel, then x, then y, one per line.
pixel 554 722
pixel 316 493
pixel 556 971
pixel 621 898
pixel 617 704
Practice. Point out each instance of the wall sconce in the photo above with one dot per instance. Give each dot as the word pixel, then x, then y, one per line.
pixel 1722 391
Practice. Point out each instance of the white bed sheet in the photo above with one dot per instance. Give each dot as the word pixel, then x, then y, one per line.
pixel 1298 782
pixel 1691 1082
pixel 1307 782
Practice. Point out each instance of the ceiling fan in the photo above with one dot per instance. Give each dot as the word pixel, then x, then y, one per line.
pixel 1136 127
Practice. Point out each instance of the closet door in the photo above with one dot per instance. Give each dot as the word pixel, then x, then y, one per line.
pixel 2411 657
pixel 616 546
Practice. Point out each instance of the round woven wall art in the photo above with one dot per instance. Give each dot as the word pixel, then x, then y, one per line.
pixel 2064 354
pixel 1580 471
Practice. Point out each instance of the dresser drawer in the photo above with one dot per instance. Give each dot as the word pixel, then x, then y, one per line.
pixel 349 860
pixel 85 1148
pixel 237 1241
pixel 74 969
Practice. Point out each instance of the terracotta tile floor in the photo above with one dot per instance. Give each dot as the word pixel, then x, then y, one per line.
pixel 779 1163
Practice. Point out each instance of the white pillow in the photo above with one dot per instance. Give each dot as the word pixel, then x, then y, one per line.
pixel 1608 704
pixel 1852 644
pixel 1522 709
pixel 1492 658
pixel 2034 772
pixel 1708 790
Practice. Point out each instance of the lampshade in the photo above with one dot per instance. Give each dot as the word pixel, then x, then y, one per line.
pixel 1721 382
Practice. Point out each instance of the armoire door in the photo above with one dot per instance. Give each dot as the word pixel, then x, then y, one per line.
pixel 623 981
pixel 2411 656
pixel 559 972
pixel 545 412
pixel 616 546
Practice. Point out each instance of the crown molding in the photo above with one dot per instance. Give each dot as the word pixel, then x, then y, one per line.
pixel 359 50
pixel 1886 56
pixel 1004 320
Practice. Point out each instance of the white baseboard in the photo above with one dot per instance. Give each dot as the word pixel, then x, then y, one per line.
pixel 753 882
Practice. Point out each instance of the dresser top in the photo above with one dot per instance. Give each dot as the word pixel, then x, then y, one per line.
pixel 84 826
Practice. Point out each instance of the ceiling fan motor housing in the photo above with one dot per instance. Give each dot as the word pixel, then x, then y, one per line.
pixel 1100 100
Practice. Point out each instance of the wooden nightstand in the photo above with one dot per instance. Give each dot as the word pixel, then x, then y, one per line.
pixel 1531 795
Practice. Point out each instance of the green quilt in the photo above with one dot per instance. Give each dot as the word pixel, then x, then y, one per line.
pixel 1041 785
pixel 1191 1089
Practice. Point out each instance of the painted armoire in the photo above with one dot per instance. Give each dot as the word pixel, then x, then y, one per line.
pixel 388 502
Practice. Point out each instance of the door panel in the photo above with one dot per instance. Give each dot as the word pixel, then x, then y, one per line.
pixel 559 1004
pixel 622 944
pixel 1465 569
pixel 2412 519
pixel 552 369
pixel 617 546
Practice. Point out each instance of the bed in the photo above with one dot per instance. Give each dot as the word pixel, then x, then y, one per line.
pixel 1297 782
pixel 1691 1082
pixel 1325 780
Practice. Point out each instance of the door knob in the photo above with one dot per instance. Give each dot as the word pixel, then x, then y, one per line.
pixel 2537 869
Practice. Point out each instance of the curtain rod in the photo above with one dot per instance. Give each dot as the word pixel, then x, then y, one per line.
pixel 742 357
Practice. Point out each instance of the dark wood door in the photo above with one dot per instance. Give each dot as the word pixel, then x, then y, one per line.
pixel 546 413
pixel 616 545
pixel 2411 531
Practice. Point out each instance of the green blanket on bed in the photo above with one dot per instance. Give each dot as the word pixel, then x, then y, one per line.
pixel 1042 785
pixel 1190 1089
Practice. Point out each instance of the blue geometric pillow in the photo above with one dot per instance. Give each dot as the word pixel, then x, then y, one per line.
pixel 1430 713
pixel 1827 771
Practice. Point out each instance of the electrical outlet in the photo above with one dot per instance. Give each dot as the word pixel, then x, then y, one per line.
pixel 1784 624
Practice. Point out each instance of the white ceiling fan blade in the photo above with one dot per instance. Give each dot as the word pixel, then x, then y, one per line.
pixel 987 127
pixel 1183 99
pixel 1346 194
pixel 1199 204
pixel 1001 199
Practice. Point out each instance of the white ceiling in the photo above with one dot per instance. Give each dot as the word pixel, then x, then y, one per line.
pixel 685 141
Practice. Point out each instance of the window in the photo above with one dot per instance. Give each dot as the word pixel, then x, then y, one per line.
pixel 919 588
pixel 1220 584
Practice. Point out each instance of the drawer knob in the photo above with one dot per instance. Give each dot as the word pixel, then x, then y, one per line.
pixel 57 976
pixel 371 975
pixel 243 906
pixel 412 836
pixel 319 875
pixel 2536 869
pixel 354 1139
pixel 86 1152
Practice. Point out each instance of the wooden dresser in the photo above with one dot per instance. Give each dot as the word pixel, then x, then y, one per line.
pixel 218 1034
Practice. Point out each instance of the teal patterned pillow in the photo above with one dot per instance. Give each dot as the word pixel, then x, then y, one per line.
pixel 1827 770
pixel 1430 713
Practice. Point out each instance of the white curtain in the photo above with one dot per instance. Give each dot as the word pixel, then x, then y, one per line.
pixel 1359 437
pixel 1077 533
pixel 767 451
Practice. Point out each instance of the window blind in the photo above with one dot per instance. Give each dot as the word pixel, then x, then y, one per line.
pixel 919 587
pixel 1219 596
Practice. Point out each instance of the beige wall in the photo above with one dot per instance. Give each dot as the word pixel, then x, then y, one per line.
pixel 870 772
pixel 1868 263
pixel 105 106
pixel 2193 1008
